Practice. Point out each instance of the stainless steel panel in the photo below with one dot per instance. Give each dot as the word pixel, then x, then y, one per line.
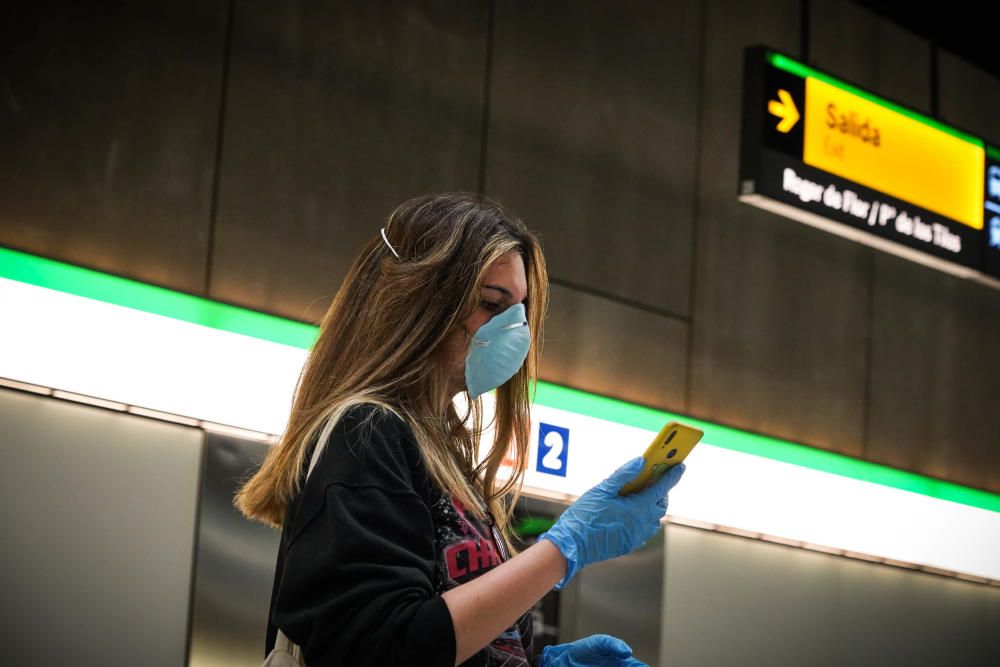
pixel 337 113
pixel 98 512
pixel 592 139
pixel 935 374
pixel 779 320
pixel 613 349
pixel 108 128
pixel 547 613
pixel 734 601
pixel 622 597
pixel 235 563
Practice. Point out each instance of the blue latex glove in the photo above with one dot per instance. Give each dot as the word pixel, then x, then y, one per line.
pixel 596 650
pixel 602 525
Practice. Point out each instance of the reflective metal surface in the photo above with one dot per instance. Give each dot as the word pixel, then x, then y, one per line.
pixel 622 598
pixel 98 510
pixel 235 562
pixel 743 602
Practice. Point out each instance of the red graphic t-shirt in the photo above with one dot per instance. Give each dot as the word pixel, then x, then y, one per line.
pixel 468 548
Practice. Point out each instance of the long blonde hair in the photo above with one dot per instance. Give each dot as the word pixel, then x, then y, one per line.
pixel 383 341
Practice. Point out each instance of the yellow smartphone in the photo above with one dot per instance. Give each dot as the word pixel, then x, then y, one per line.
pixel 670 446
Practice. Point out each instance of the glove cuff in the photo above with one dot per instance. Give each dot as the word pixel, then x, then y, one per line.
pixel 567 547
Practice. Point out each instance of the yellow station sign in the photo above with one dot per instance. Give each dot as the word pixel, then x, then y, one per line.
pixel 873 145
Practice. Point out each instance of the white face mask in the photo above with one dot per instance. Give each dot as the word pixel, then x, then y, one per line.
pixel 497 351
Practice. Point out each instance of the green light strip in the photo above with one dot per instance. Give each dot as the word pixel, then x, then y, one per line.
pixel 592 405
pixel 792 67
pixel 994 153
pixel 92 284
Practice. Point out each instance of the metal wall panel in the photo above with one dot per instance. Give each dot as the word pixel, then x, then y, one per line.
pixel 858 46
pixel 98 509
pixel 108 131
pixel 593 111
pixel 336 114
pixel 235 563
pixel 622 597
pixel 613 349
pixel 844 40
pixel 778 340
pixel 968 97
pixel 904 66
pixel 734 601
pixel 926 327
pixel 961 369
pixel 935 379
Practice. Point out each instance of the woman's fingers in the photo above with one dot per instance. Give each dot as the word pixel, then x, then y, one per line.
pixel 659 489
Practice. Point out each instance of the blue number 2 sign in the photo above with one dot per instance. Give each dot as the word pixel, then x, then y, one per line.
pixel 553 449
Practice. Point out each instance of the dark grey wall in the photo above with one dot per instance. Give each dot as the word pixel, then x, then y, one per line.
pixel 244 150
pixel 108 124
pixel 336 113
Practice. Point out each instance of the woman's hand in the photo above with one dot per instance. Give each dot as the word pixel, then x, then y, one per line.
pixel 595 650
pixel 602 525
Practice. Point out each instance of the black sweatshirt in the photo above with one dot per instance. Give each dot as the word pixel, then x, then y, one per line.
pixel 368 547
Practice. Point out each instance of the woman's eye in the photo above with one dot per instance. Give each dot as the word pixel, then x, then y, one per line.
pixel 489 305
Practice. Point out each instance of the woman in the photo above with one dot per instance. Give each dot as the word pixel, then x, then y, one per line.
pixel 396 549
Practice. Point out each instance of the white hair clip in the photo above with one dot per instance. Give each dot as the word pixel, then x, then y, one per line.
pixel 389 244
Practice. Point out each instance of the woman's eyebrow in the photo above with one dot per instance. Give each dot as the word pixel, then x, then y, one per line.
pixel 506 292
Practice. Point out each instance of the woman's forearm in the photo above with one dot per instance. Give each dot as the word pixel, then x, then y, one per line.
pixel 486 606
